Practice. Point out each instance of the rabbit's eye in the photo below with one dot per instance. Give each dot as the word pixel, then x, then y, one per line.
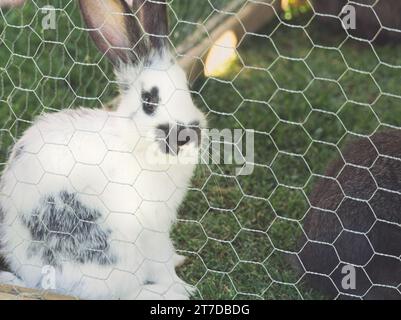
pixel 150 100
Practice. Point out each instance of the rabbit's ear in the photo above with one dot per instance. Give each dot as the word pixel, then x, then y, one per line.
pixel 114 29
pixel 154 19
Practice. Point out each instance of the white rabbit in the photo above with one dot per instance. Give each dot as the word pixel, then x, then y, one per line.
pixel 89 193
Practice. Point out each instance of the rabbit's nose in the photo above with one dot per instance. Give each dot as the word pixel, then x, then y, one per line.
pixel 188 134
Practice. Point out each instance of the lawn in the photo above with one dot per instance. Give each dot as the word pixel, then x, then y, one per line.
pixel 304 96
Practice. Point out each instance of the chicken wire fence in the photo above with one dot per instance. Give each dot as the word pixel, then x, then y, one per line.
pixel 303 89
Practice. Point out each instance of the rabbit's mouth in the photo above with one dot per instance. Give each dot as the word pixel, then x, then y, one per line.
pixel 172 138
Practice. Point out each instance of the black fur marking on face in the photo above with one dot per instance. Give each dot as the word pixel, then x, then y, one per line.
pixel 163 136
pixel 63 229
pixel 150 100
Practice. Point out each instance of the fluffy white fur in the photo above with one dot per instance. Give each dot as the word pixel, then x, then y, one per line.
pixel 104 158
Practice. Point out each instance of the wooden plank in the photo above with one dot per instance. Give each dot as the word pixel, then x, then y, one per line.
pixel 8 292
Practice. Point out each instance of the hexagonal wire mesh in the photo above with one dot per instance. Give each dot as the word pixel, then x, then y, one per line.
pixel 305 90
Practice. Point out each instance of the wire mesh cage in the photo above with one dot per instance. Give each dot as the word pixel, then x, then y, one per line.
pixel 304 205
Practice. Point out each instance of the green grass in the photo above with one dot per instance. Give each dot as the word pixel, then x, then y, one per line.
pixel 241 234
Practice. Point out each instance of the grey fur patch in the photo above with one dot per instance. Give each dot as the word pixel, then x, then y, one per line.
pixel 63 229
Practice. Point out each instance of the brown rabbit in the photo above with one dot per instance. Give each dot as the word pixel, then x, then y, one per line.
pixel 356 220
pixel 368 26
